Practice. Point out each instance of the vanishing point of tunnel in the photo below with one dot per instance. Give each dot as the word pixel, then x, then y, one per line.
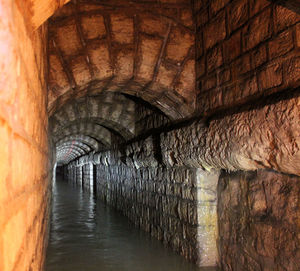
pixel 142 135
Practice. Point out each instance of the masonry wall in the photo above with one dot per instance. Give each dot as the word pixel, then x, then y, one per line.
pixel 176 205
pixel 23 142
pixel 167 185
pixel 245 49
pixel 160 201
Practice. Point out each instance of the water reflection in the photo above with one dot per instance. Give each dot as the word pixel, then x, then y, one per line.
pixel 86 235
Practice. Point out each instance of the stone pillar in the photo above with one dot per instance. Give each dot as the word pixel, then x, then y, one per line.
pixel 207 232
pixel 78 179
pixel 91 175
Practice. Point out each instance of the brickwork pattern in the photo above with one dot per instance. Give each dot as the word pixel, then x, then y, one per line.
pixel 176 205
pixel 159 201
pixel 147 119
pixel 245 49
pixel 85 125
pixel 145 49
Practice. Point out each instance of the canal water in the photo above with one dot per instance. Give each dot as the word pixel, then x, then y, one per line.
pixel 86 235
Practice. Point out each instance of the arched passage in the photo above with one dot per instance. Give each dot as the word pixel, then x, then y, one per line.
pixel 246 52
pixel 134 49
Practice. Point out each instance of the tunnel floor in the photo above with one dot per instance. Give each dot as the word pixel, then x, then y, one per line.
pixel 86 235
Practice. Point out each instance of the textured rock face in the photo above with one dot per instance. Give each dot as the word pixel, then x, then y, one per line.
pixel 266 137
pixel 163 176
pixel 259 221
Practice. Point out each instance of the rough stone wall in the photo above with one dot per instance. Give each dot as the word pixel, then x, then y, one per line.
pixel 259 221
pixel 176 205
pixel 160 201
pixel 87 177
pixel 24 190
pixel 144 178
pixel 245 49
pixel 260 137
pixel 147 119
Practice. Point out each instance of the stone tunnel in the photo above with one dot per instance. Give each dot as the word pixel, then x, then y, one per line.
pixel 182 115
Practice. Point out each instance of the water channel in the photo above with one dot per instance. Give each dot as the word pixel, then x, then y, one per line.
pixel 86 235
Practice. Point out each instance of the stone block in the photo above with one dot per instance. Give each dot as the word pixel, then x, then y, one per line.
pixel 166 75
pixel 271 76
pixel 122 28
pixel 232 47
pixel 185 85
pixel 124 64
pixel 283 18
pixel 292 71
pixel 209 82
pixel 216 5
pixel 214 58
pixel 258 30
pixel 100 60
pixel 149 52
pixel 68 39
pixel 248 86
pixel 58 80
pixel 186 17
pixel 216 98
pixel 224 76
pixel 13 236
pixel 93 27
pixel 215 31
pixel 179 44
pixel 80 70
pixel 259 56
pixel 152 25
pixel 281 45
pixel 255 6
pixel 198 4
pixel 237 14
pixel 242 65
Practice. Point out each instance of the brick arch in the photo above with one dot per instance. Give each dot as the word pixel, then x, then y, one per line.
pixel 65 154
pixel 110 110
pixel 78 146
pixel 136 49
pixel 87 129
pixel 92 143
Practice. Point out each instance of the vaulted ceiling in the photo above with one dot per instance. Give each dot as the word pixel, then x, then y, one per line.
pixel 101 50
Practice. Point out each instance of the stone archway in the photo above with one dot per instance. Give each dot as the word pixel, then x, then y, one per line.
pixel 134 48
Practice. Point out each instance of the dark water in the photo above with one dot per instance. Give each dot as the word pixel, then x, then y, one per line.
pixel 86 235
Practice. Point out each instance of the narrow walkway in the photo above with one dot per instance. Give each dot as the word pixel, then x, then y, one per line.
pixel 86 235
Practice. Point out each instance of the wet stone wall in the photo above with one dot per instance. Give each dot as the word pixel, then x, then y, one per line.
pixel 87 180
pixel 259 221
pixel 161 201
pixel 176 205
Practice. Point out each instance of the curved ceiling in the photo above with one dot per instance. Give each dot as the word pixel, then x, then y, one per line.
pixel 100 50
pixel 142 49
pixel 91 123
